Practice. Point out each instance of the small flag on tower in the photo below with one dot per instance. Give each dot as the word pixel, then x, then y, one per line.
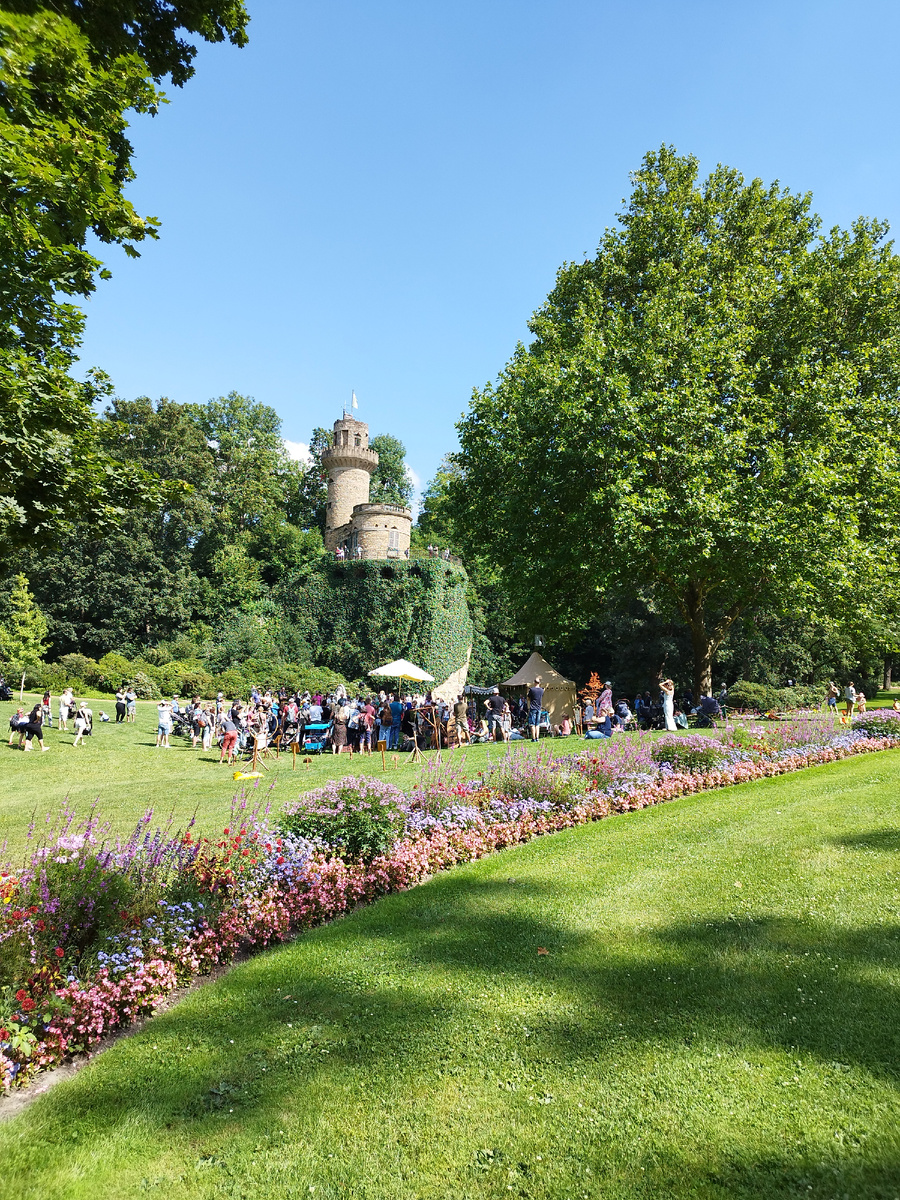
pixel 354 402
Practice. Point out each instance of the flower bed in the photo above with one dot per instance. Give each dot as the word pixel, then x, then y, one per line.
pixel 94 932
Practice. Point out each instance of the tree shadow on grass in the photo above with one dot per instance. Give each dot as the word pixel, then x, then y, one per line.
pixel 380 998
pixel 875 839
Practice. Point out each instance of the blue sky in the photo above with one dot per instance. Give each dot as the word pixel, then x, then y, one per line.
pixel 377 196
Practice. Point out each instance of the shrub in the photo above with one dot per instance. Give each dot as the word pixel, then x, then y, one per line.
pixel 692 753
pixel 355 818
pixel 753 696
pixel 881 723
pixel 145 687
pixel 78 667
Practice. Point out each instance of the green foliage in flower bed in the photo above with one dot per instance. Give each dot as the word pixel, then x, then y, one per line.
pixel 357 615
pixel 689 753
pixel 357 818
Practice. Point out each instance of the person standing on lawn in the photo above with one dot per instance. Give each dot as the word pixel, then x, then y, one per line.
pixel 121 706
pixel 667 687
pixel 495 705
pixel 461 712
pixel 229 729
pixel 130 705
pixel 164 725
pixel 535 704
pixel 849 699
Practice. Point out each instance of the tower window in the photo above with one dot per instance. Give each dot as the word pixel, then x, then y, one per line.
pixel 393 540
pixel 357 440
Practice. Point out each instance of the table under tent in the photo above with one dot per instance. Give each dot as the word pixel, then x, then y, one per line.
pixel 560 695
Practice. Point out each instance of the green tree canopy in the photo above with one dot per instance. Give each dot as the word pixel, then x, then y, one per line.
pixel 66 86
pixel 708 414
pixel 23 628
pixel 391 483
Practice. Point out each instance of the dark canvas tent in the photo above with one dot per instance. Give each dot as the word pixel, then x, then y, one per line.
pixel 560 696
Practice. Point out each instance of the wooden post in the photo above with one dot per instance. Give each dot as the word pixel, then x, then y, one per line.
pixel 382 746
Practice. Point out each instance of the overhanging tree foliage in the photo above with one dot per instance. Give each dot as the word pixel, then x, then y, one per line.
pixel 708 413
pixel 68 76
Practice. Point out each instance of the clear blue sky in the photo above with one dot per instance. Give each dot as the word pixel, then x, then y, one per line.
pixel 377 196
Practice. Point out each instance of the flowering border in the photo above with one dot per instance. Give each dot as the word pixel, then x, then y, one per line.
pixel 90 1011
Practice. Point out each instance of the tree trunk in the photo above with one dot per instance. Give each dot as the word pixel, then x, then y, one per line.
pixel 887 675
pixel 704 648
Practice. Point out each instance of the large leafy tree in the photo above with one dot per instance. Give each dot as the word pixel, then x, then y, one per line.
pixel 391 483
pixel 68 77
pixel 708 414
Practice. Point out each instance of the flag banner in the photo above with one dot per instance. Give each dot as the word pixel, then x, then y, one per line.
pixel 355 402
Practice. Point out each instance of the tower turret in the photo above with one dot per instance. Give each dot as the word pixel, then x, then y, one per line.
pixel 349 463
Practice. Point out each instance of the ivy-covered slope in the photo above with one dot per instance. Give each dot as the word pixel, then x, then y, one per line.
pixel 357 615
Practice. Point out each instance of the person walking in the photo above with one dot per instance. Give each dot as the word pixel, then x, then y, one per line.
pixel 47 710
pixel 849 699
pixel 831 697
pixel 83 722
pixel 17 723
pixel 461 712
pixel 667 687
pixel 34 728
pixel 535 704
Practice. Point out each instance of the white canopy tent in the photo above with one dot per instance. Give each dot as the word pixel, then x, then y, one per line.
pixel 402 669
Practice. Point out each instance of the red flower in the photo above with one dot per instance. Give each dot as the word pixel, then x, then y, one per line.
pixel 4 1034
pixel 16 914
pixel 279 860
pixel 59 952
pixel 227 831
pixel 40 926
pixel 33 910
pixel 27 1004
pixel 21 995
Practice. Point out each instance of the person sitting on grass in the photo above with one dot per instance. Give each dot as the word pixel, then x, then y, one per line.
pixel 17 723
pixel 564 728
pixel 34 728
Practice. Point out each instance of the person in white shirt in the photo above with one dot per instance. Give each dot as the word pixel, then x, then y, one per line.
pixel 84 719
pixel 164 727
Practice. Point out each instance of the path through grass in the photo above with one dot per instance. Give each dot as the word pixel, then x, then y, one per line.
pixel 716 1015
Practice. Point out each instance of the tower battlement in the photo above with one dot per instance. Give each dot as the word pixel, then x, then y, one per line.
pixel 352 523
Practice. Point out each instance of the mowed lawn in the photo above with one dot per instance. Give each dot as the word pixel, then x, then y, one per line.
pixel 120 766
pixel 717 1014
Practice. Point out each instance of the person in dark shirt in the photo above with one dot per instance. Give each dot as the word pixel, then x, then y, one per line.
pixel 535 703
pixel 495 705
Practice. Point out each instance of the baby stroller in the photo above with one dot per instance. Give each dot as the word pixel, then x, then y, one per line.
pixel 5 690
pixel 182 724
pixel 315 737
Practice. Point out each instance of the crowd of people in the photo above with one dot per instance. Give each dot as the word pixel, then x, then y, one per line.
pixel 338 722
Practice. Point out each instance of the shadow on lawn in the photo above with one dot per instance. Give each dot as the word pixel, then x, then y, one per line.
pixel 875 839
pixel 372 1001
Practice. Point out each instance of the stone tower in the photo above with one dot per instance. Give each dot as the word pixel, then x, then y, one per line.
pixel 362 529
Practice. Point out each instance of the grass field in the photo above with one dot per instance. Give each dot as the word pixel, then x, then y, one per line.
pixel 716 1015
pixel 120 765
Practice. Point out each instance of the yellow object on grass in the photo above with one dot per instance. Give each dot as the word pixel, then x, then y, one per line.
pixel 248 775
